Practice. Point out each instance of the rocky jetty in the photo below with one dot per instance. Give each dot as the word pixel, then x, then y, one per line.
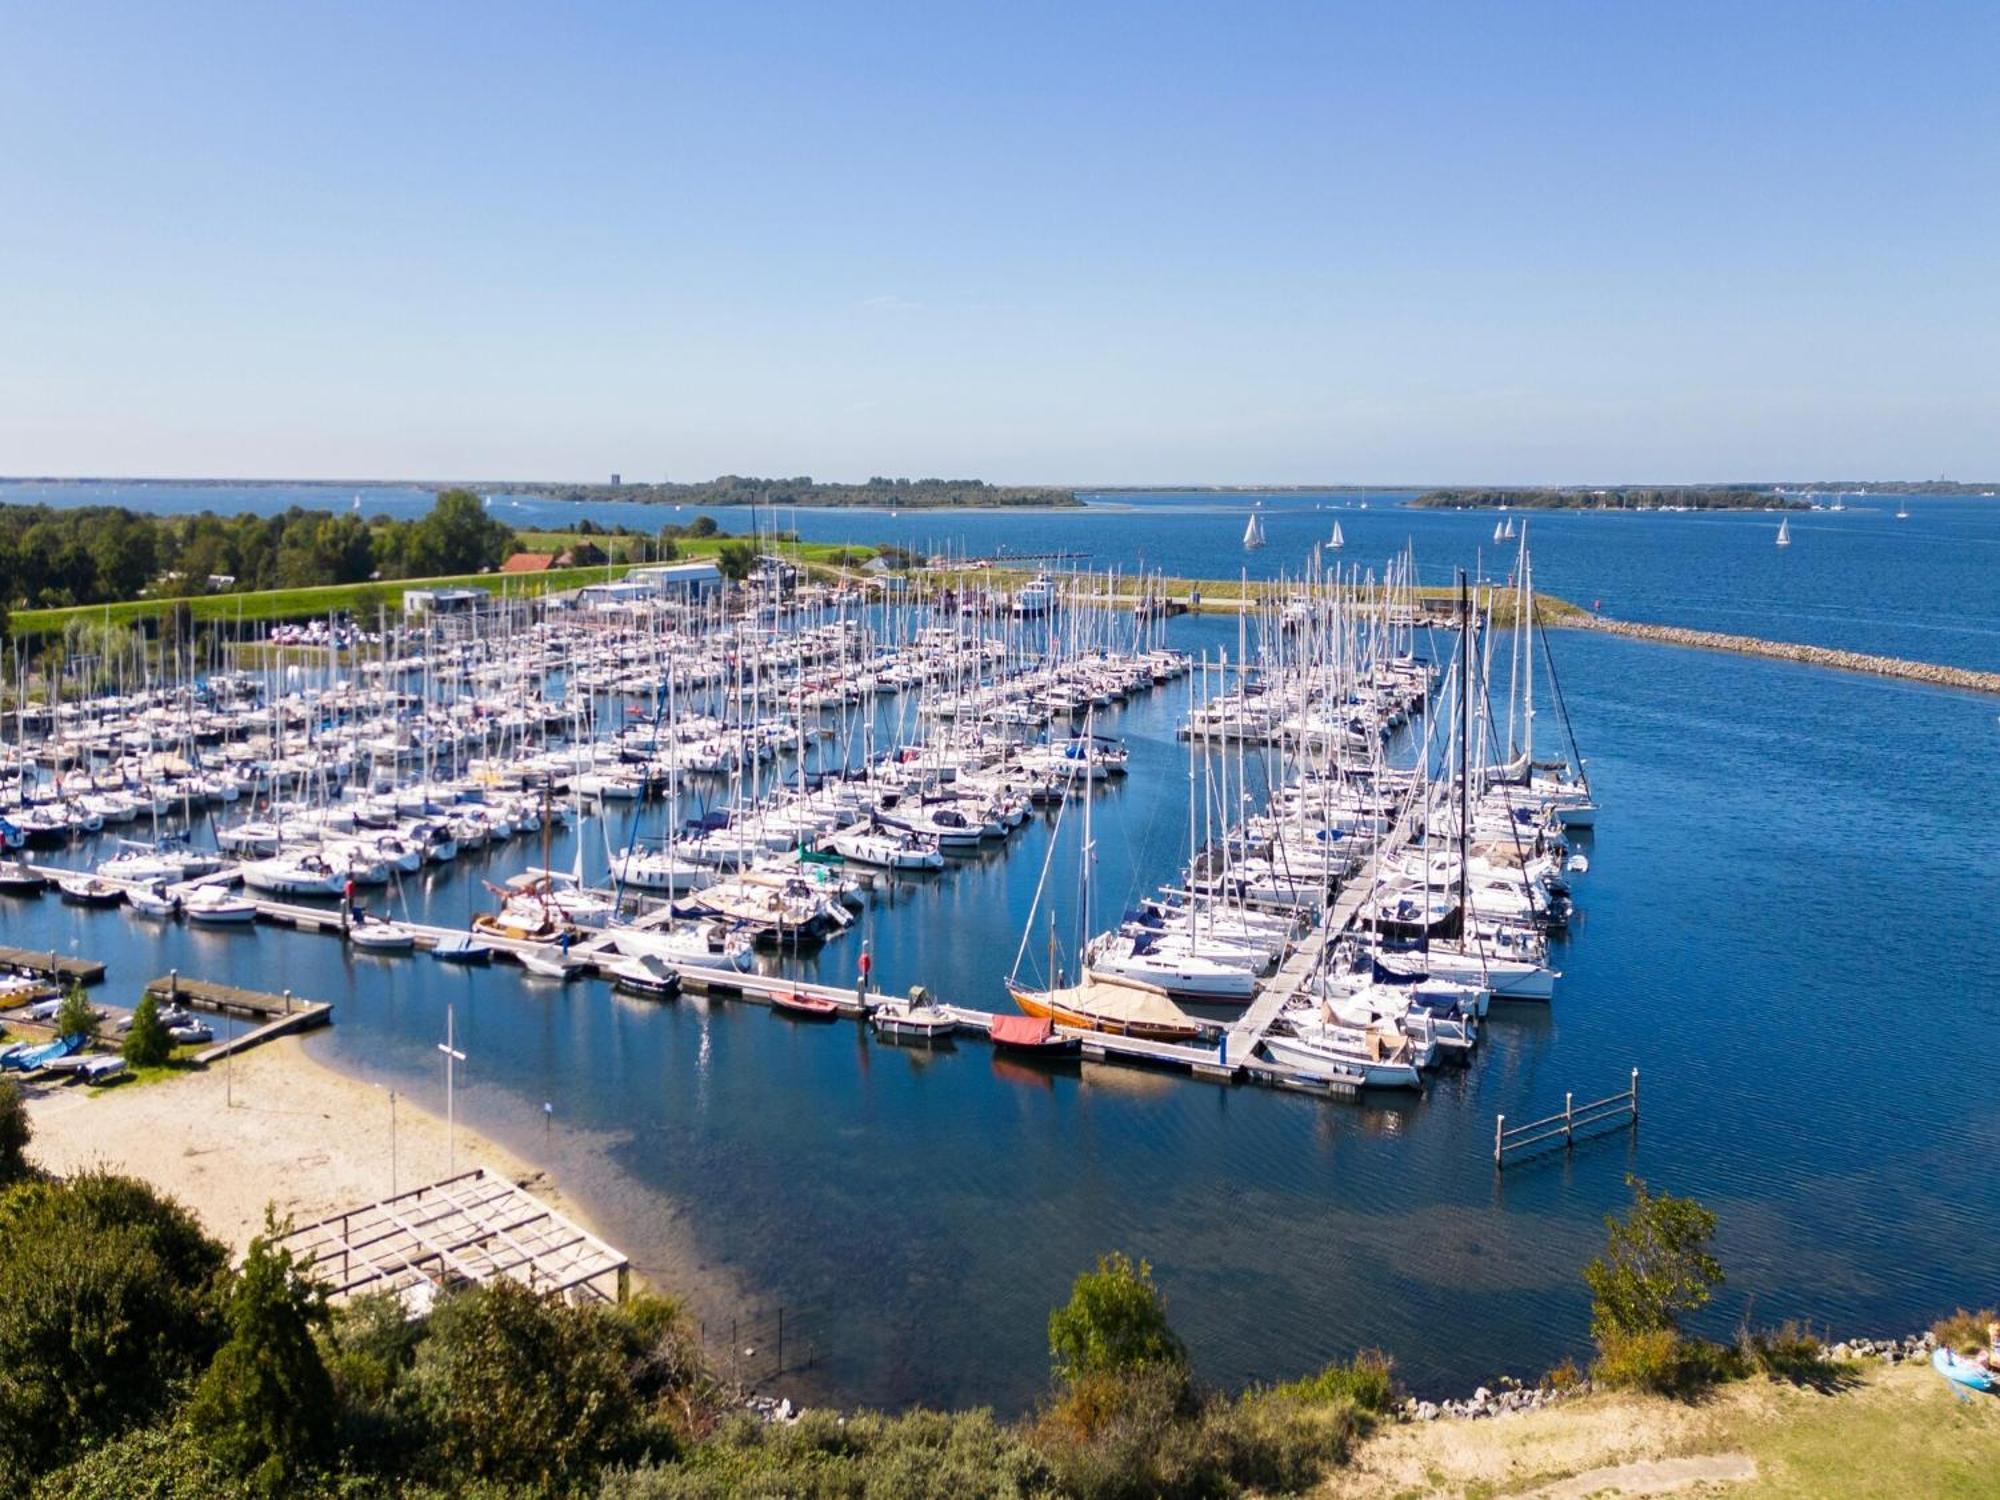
pixel 1931 674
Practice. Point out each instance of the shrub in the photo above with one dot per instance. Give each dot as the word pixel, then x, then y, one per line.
pixel 1662 1362
pixel 1964 1331
pixel 16 1130
pixel 521 1389
pixel 76 1016
pixel 106 1303
pixel 1366 1382
pixel 1115 1321
pixel 665 1365
pixel 147 1044
pixel 1790 1351
pixel 1277 1442
pixel 367 1346
pixel 156 1463
pixel 1129 1433
pixel 1655 1266
pixel 265 1407
pixel 1564 1378
pixel 922 1453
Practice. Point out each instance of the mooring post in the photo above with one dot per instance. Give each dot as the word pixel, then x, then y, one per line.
pixel 1499 1124
pixel 173 988
pixel 1635 1096
pixel 1569 1122
pixel 288 1002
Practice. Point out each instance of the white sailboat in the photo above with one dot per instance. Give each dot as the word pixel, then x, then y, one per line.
pixel 1338 541
pixel 1253 534
pixel 1902 510
pixel 1785 532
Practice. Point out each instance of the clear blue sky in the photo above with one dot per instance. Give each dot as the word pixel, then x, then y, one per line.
pixel 1231 242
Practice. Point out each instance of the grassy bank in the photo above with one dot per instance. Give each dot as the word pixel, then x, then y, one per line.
pixel 1872 1431
pixel 360 599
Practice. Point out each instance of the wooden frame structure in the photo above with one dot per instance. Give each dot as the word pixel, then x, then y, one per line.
pixel 460 1231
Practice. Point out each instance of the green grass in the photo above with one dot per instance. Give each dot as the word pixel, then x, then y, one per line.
pixel 359 599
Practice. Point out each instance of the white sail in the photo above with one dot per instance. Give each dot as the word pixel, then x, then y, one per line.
pixel 1338 540
pixel 1253 534
pixel 1785 532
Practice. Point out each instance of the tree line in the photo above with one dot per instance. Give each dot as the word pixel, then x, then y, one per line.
pixel 1626 497
pixel 890 494
pixel 52 557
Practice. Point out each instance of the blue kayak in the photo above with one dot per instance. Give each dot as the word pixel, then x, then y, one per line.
pixel 1961 1371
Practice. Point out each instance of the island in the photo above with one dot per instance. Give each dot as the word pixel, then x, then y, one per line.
pixel 1622 497
pixel 881 493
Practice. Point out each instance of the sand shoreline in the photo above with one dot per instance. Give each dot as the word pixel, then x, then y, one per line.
pixel 274 1126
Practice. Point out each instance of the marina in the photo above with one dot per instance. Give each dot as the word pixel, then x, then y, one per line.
pixel 601 845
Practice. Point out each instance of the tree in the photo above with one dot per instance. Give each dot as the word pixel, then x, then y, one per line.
pixel 107 1303
pixel 76 1016
pixel 147 1044
pixel 457 537
pixel 703 526
pixel 1655 1266
pixel 735 559
pixel 666 551
pixel 1115 1323
pixel 524 1390
pixel 16 1130
pixel 265 1407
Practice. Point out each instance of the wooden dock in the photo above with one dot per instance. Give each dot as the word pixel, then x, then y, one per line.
pixel 48 964
pixel 273 1015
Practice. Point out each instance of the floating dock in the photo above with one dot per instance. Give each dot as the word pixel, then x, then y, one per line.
pixel 48 964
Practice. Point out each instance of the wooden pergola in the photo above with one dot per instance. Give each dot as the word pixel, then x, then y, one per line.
pixel 461 1231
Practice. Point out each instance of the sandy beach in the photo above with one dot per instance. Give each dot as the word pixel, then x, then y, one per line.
pixel 272 1127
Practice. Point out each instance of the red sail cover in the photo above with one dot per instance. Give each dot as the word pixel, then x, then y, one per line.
pixel 1023 1031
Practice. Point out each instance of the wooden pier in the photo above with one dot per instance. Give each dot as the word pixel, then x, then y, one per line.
pixel 48 964
pixel 273 1015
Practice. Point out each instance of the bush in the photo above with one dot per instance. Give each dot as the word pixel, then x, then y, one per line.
pixel 1563 1379
pixel 147 1044
pixel 1655 1266
pixel 107 1302
pixel 265 1408
pixel 1662 1362
pixel 1130 1433
pixel 1965 1332
pixel 922 1453
pixel 1791 1351
pixel 16 1130
pixel 1275 1441
pixel 1366 1382
pixel 368 1346
pixel 76 1016
pixel 665 1366
pixel 523 1390
pixel 151 1463
pixel 1115 1322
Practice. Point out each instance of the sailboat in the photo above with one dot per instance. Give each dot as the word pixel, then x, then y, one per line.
pixel 1253 534
pixel 1902 510
pixel 1785 532
pixel 1338 541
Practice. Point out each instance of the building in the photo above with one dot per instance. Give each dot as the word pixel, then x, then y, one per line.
pixel 529 562
pixel 443 601
pixel 686 580
pixel 617 478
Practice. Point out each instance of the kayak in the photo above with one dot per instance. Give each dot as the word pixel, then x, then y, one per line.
pixel 1961 1371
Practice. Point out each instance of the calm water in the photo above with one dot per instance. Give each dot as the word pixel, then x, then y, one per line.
pixel 1787 925
pixel 1923 588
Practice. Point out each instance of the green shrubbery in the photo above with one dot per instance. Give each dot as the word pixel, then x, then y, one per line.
pixel 1965 1332
pixel 147 1044
pixel 16 1130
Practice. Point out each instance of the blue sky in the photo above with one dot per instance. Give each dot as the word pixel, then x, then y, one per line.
pixel 1095 244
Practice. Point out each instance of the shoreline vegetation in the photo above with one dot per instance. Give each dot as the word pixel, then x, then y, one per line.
pixel 804 491
pixel 248 1385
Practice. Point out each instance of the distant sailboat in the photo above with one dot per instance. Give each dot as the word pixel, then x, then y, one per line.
pixel 1338 540
pixel 1499 531
pixel 1785 532
pixel 1839 503
pixel 1902 510
pixel 357 502
pixel 1253 534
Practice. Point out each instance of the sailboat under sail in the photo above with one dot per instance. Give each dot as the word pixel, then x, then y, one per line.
pixel 1253 534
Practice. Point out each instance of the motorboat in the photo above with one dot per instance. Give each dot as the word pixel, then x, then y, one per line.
pixel 645 975
pixel 16 879
pixel 295 875
pixel 549 965
pixel 375 935
pixel 912 1019
pixel 88 890
pixel 214 905
pixel 886 849
pixel 152 901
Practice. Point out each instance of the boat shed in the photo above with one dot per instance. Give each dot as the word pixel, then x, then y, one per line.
pixel 686 580
pixel 461 1231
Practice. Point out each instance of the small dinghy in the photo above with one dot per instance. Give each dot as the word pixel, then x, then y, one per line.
pixel 16 879
pixel 802 1007
pixel 378 936
pixel 87 890
pixel 1960 1371
pixel 151 901
pixel 1031 1036
pixel 458 949
pixel 646 976
pixel 216 907
pixel 550 965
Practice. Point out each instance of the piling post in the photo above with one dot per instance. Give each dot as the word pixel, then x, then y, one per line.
pixel 173 988
pixel 1569 1122
pixel 1635 1096
pixel 1499 1129
pixel 288 1002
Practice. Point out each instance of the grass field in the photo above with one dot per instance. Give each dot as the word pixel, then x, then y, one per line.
pixel 1874 1431
pixel 361 599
